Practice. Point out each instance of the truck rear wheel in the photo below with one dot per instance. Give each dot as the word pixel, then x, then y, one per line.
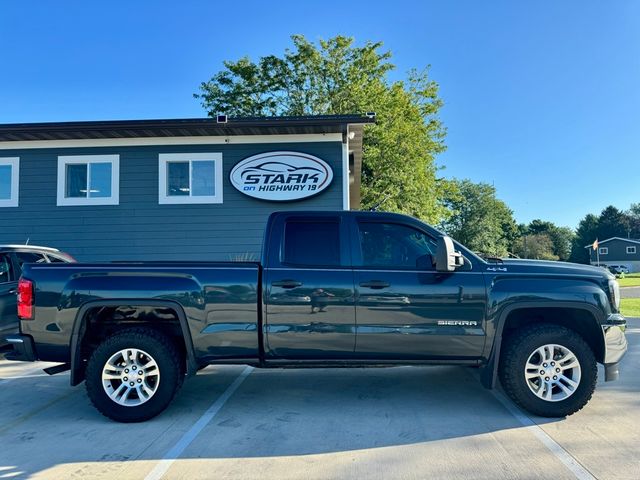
pixel 548 370
pixel 134 374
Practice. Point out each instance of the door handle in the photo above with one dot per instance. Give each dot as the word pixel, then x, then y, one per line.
pixel 375 284
pixel 287 284
pixel 13 290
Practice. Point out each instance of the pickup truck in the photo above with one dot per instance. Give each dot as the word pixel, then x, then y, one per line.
pixel 332 289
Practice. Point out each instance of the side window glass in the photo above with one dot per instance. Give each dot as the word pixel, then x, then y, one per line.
pixel 388 245
pixel 28 257
pixel 5 269
pixel 312 243
pixel 53 259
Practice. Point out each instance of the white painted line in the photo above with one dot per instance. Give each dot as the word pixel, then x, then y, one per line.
pixel 171 456
pixel 555 448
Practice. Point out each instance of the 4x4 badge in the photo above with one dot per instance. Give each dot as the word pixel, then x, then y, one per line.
pixel 497 269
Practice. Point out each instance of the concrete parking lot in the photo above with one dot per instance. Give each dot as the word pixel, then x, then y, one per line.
pixel 235 422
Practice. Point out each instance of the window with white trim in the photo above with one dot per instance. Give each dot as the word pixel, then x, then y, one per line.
pixel 603 250
pixel 9 181
pixel 190 178
pixel 631 250
pixel 88 180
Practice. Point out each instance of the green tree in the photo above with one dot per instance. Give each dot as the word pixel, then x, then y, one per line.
pixel 633 215
pixel 536 245
pixel 586 234
pixel 337 77
pixel 560 237
pixel 612 223
pixel 478 219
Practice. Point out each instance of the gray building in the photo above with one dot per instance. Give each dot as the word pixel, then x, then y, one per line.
pixel 617 251
pixel 192 189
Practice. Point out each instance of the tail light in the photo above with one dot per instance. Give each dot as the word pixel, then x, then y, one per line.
pixel 25 299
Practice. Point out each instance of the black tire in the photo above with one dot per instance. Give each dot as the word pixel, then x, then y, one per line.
pixel 167 358
pixel 516 351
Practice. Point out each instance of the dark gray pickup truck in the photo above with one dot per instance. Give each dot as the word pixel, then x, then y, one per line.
pixel 332 289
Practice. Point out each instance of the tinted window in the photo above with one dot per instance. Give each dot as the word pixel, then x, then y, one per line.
pixel 28 257
pixel 53 259
pixel 392 245
pixel 5 269
pixel 312 243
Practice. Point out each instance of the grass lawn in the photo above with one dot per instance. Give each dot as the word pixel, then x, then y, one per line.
pixel 630 307
pixel 631 280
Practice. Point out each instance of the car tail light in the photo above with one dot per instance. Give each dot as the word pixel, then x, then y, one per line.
pixel 25 299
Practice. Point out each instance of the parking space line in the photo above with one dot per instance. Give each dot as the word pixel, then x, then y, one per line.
pixel 554 447
pixel 163 465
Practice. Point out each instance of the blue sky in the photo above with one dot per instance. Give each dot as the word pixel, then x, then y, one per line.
pixel 542 98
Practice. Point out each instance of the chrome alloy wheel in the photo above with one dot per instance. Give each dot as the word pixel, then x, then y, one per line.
pixel 552 372
pixel 130 377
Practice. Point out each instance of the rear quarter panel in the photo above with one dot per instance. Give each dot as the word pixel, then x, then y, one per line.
pixel 219 301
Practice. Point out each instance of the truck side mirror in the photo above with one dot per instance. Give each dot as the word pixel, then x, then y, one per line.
pixel 447 259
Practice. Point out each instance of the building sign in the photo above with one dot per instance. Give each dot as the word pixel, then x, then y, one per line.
pixel 281 176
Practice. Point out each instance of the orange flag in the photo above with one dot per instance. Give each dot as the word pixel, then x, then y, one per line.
pixel 595 244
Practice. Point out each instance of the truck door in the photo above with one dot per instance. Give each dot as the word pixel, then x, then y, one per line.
pixel 404 308
pixel 309 291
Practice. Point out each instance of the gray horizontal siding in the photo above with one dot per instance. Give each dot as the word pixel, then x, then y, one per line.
pixel 617 252
pixel 141 229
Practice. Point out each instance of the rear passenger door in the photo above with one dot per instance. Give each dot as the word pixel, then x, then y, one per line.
pixel 309 290
pixel 8 298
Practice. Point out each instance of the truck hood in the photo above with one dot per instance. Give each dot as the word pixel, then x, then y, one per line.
pixel 547 266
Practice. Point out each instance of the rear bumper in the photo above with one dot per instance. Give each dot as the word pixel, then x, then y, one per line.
pixel 22 348
pixel 615 345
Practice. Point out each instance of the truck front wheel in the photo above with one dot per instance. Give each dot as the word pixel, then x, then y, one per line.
pixel 549 370
pixel 133 375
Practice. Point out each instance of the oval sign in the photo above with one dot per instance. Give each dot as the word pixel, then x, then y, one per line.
pixel 281 176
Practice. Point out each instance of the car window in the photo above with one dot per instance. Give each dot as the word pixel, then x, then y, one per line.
pixel 312 243
pixel 53 259
pixel 390 245
pixel 6 274
pixel 30 257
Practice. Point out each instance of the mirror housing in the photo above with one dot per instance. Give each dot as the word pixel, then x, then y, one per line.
pixel 447 258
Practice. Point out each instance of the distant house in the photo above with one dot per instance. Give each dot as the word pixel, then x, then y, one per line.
pixel 617 251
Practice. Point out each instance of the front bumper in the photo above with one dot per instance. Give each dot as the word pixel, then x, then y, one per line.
pixel 615 345
pixel 23 349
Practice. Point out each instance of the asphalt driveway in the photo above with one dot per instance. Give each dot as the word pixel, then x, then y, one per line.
pixel 237 422
pixel 630 292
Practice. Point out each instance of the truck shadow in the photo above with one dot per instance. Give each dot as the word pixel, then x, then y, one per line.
pixel 274 413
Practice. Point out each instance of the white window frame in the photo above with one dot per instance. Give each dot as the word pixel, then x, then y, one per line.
pixel 603 250
pixel 631 250
pixel 14 163
pixel 65 160
pixel 165 158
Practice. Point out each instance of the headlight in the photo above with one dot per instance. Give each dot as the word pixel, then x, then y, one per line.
pixel 614 293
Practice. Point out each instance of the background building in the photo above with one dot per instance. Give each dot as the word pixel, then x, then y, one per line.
pixel 194 189
pixel 617 251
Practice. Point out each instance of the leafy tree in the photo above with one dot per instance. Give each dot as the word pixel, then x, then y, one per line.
pixel 612 223
pixel 560 237
pixel 537 245
pixel 586 234
pixel 478 219
pixel 337 77
pixel 633 217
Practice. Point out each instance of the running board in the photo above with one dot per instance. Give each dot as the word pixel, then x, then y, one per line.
pixel 63 367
